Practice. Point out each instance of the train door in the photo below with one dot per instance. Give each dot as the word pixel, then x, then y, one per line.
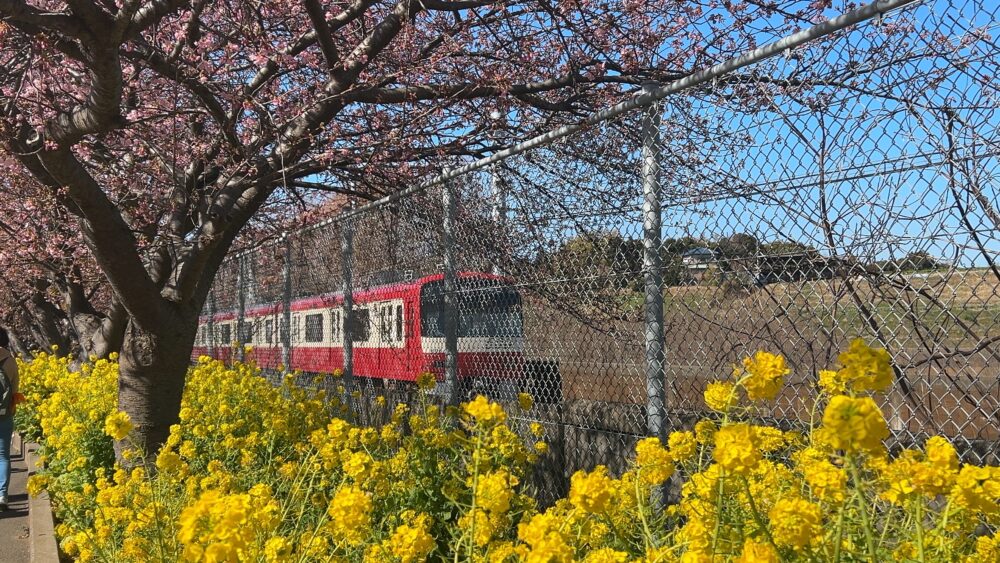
pixel 336 338
pixel 389 359
pixel 411 338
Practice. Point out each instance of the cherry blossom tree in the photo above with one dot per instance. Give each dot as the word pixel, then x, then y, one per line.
pixel 143 136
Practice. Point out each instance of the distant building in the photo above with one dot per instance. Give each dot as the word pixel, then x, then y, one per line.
pixel 698 262
pixel 791 267
pixel 699 258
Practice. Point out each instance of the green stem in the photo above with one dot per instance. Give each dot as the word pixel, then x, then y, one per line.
pixel 758 518
pixel 886 526
pixel 840 533
pixel 475 490
pixel 718 513
pixel 647 534
pixel 919 526
pixel 862 507
pixel 943 524
pixel 157 516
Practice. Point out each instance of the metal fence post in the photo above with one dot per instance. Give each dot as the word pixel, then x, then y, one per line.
pixel 241 304
pixel 651 266
pixel 286 307
pixel 347 259
pixel 450 295
pixel 498 214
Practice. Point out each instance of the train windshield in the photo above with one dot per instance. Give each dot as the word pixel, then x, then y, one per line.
pixel 487 309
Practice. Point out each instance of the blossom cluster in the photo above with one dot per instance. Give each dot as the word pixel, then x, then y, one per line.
pixel 256 472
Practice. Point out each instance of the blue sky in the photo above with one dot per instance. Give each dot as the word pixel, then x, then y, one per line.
pixel 885 172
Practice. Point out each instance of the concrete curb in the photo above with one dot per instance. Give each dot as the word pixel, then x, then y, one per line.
pixel 43 537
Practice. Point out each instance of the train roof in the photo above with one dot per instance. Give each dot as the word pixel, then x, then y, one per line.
pixel 366 295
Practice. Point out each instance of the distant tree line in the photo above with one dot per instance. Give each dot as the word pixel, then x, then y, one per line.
pixel 617 259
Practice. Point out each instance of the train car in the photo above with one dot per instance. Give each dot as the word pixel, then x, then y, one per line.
pixel 396 331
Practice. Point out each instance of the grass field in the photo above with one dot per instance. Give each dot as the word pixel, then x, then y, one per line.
pixel 943 332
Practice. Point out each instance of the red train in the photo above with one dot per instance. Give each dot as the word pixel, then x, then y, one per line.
pixel 397 330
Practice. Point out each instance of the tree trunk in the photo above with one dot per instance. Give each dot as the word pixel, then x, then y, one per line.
pixel 98 335
pixel 46 321
pixel 152 370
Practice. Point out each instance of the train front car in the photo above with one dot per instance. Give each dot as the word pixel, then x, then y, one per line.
pixel 490 332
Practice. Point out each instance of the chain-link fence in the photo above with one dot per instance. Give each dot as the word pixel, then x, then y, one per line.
pixel 845 187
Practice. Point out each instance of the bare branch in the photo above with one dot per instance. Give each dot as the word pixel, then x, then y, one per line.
pixel 150 14
pixel 19 12
pixel 109 237
pixel 326 44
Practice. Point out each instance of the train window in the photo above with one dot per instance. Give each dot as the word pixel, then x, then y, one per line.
pixel 314 328
pixel 225 334
pixel 269 331
pixel 246 332
pixel 360 325
pixel 486 309
pixel 385 323
pixel 399 323
pixel 335 325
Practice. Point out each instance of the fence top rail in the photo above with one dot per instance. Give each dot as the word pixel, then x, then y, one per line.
pixel 649 94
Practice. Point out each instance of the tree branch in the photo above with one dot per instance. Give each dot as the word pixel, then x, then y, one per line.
pixel 97 20
pixel 331 188
pixel 150 14
pixel 109 237
pixel 455 5
pixel 159 64
pixel 326 44
pixel 101 112
pixel 464 91
pixel 17 11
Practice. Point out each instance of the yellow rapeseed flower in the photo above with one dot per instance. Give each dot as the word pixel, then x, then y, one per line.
pixel 757 552
pixel 704 431
pixel 536 429
pixel 826 481
pixel 606 555
pixel 736 448
pixel 941 453
pixel 117 425
pixel 978 489
pixel 525 401
pixel 795 522
pixel 765 373
pixel 653 461
pixel 854 424
pixel 484 411
pixel 478 524
pixel 682 444
pixel 543 533
pixel 720 396
pixel 350 513
pixel 987 549
pixel 494 491
pixel 411 543
pixel 591 492
pixel 865 368
pixel 426 381
pixel 832 382
pixel 169 462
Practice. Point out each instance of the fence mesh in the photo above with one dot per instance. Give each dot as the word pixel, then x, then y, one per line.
pixel 846 189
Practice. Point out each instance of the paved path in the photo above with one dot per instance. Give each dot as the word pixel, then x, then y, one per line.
pixel 14 544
